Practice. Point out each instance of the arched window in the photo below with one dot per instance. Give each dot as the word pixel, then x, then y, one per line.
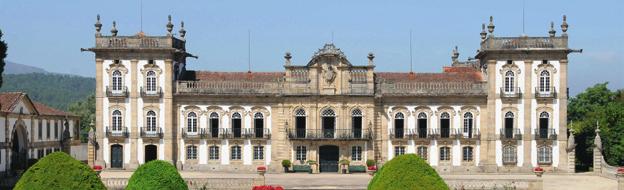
pixel 468 125
pixel 422 152
pixel 544 155
pixel 422 125
pixel 191 123
pixel 467 153
pixel 300 123
pixel 509 81
pixel 509 155
pixel 509 125
pixel 445 125
pixel 151 81
pixel 117 121
pixel 544 82
pixel 399 125
pixel 356 123
pixel 117 80
pixel 544 118
pixel 445 153
pixel 236 125
pixel 258 125
pixel 214 124
pixel 151 121
pixel 328 117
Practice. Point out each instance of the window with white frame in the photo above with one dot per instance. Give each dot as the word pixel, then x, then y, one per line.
pixel 445 125
pixel 422 152
pixel 214 124
pixel 356 153
pixel 399 150
pixel 213 152
pixel 445 153
pixel 467 153
pixel 356 123
pixel 468 125
pixel 300 153
pixel 191 152
pixel 422 125
pixel 150 81
pixel 544 155
pixel 509 81
pixel 236 124
pixel 258 152
pixel 399 125
pixel 40 130
pixel 117 81
pixel 258 125
pixel 544 82
pixel 117 121
pixel 191 122
pixel 235 153
pixel 151 121
pixel 509 154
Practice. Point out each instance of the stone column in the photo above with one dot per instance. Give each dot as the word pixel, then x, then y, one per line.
pixel 133 128
pixel 99 106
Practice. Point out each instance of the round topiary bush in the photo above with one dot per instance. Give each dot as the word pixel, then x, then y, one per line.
pixel 156 174
pixel 407 172
pixel 59 171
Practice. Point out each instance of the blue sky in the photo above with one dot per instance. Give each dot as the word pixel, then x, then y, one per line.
pixel 49 34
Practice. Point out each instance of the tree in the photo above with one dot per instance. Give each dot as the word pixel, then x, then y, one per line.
pixel 59 171
pixel 156 174
pixel 3 54
pixel 86 110
pixel 597 105
pixel 407 172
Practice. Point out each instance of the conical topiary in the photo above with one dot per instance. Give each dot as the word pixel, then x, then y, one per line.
pixel 156 174
pixel 59 171
pixel 407 172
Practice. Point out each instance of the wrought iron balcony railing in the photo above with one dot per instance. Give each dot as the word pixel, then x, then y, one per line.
pixel 545 133
pixel 151 132
pixel 117 132
pixel 336 134
pixel 510 133
pixel 471 135
pixel 151 93
pixel 117 92
pixel 510 93
pixel 545 93
pixel 193 133
pixel 257 133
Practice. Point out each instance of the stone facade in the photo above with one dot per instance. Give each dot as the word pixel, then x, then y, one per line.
pixel 504 111
pixel 31 130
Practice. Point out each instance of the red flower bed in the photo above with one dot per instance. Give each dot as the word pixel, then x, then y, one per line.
pixel 620 170
pixel 97 167
pixel 261 168
pixel 267 187
pixel 538 169
pixel 372 167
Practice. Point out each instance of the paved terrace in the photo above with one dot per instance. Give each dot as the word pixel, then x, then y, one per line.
pixel 360 181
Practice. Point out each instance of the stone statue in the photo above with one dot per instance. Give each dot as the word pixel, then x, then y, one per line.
pixel 328 73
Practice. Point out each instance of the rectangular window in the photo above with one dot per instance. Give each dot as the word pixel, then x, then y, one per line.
pixel 48 129
pixel 236 153
pixel 301 152
pixel 422 152
pixel 509 155
pixel 544 155
pixel 467 153
pixel 40 130
pixel 399 150
pixel 445 154
pixel 356 153
pixel 214 153
pixel 56 129
pixel 40 153
pixel 191 152
pixel 258 153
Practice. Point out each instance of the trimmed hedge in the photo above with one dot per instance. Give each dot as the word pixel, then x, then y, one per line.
pixel 156 174
pixel 59 171
pixel 407 172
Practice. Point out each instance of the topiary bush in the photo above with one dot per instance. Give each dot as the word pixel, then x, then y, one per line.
pixel 407 172
pixel 59 171
pixel 156 174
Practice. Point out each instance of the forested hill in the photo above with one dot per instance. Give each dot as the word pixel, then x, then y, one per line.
pixel 55 90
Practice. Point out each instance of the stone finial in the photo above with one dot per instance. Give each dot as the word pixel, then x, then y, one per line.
pixel 287 56
pixel 455 55
pixel 370 57
pixel 597 140
pixel 552 31
pixel 182 31
pixel 98 26
pixel 564 26
pixel 114 29
pixel 483 33
pixel 491 25
pixel 169 26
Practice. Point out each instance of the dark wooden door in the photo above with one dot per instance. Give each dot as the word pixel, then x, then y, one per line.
pixel 328 158
pixel 116 156
pixel 151 153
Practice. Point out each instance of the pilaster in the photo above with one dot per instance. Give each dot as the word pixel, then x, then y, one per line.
pixel 488 133
pixel 133 128
pixel 99 106
pixel 171 130
pixel 562 99
pixel 527 97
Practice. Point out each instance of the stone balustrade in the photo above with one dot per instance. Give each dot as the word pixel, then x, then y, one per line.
pixel 510 43
pixel 132 42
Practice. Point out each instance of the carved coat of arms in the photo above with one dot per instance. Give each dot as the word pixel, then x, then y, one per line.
pixel 328 73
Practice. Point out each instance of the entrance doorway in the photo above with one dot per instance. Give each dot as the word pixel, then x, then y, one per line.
pixel 116 156
pixel 328 158
pixel 151 152
pixel 19 148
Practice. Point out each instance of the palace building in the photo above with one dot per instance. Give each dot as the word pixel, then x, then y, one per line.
pixel 30 130
pixel 503 111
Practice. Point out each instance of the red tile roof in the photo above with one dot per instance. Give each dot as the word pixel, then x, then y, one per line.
pixel 237 76
pixel 45 110
pixel 459 69
pixel 8 100
pixel 431 77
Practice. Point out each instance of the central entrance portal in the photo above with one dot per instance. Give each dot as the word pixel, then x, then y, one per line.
pixel 150 152
pixel 328 158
